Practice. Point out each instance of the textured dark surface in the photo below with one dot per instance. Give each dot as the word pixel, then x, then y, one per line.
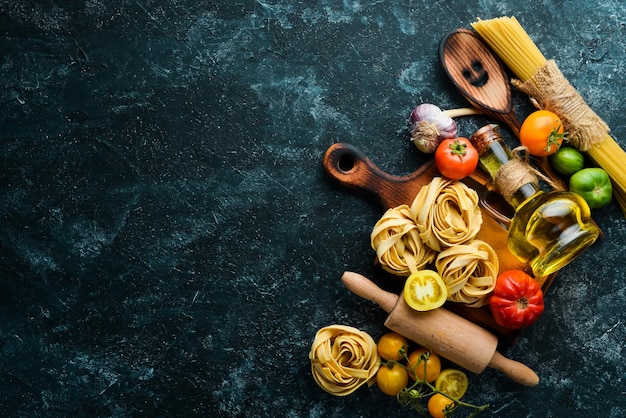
pixel 169 242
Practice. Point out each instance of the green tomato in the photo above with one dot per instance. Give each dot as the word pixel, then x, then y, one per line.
pixel 567 161
pixel 593 185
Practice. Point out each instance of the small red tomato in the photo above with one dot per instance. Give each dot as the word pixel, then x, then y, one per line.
pixel 517 300
pixel 542 133
pixel 456 158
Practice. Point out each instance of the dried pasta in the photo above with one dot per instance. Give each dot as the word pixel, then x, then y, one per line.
pixel 396 240
pixel 343 359
pixel 446 213
pixel 469 272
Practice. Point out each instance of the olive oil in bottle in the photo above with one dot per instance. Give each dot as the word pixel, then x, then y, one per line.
pixel 549 229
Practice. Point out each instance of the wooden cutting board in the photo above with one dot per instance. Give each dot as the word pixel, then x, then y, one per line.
pixel 348 166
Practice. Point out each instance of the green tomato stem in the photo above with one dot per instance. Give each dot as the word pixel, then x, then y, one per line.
pixel 555 138
pixel 415 395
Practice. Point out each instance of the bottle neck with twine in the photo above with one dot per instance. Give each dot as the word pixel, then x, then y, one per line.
pixel 513 176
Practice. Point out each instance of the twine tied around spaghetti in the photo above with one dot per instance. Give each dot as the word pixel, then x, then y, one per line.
pixel 517 172
pixel 549 89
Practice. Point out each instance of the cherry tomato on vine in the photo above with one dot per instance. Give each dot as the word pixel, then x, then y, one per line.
pixel 391 379
pixel 456 158
pixel 437 404
pixel 389 346
pixel 542 132
pixel 433 365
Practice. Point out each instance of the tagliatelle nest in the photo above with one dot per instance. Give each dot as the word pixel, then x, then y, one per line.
pixel 469 272
pixel 343 359
pixel 446 213
pixel 396 240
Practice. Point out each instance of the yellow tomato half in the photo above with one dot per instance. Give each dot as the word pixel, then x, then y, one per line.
pixel 452 382
pixel 425 290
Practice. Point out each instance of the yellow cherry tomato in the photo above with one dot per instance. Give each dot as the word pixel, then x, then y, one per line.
pixel 437 404
pixel 542 133
pixel 452 382
pixel 425 290
pixel 391 380
pixel 433 365
pixel 389 346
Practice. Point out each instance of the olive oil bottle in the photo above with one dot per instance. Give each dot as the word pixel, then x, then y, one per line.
pixel 549 229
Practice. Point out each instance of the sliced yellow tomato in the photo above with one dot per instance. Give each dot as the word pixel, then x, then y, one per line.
pixel 425 290
pixel 452 382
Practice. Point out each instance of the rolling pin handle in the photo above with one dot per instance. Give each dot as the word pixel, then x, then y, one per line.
pixel 515 370
pixel 364 287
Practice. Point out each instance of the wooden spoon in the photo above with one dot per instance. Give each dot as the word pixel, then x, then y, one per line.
pixel 481 78
pixel 479 75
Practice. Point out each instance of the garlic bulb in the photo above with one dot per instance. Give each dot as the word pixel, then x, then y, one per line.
pixel 431 125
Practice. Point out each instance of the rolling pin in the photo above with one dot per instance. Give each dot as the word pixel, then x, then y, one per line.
pixel 444 332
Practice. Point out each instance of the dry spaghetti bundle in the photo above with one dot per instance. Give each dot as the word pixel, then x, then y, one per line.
pixel 549 89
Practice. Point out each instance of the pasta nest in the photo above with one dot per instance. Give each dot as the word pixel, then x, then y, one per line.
pixel 343 358
pixel 396 240
pixel 469 272
pixel 446 213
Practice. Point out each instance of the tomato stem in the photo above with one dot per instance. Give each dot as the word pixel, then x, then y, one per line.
pixel 422 389
pixel 458 148
pixel 555 138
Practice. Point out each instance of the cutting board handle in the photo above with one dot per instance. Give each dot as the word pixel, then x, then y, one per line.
pixel 350 167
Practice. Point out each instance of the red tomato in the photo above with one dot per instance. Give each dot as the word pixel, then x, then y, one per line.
pixel 542 133
pixel 517 300
pixel 456 158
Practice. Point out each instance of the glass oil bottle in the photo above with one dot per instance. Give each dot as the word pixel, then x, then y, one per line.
pixel 548 229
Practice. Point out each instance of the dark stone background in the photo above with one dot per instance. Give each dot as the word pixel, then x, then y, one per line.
pixel 169 242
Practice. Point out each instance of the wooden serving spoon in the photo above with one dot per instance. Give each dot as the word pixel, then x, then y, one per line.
pixel 481 78
pixel 478 75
